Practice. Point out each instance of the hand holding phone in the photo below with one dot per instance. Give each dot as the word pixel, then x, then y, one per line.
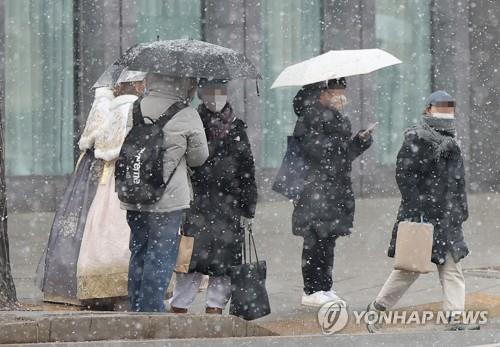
pixel 369 130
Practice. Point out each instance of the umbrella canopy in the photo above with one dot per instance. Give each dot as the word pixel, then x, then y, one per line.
pixel 110 76
pixel 131 76
pixel 190 58
pixel 335 64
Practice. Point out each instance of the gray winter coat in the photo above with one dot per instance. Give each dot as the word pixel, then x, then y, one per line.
pixel 185 142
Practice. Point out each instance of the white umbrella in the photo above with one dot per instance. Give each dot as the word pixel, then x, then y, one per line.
pixel 335 64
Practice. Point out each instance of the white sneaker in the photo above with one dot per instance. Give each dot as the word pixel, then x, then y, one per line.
pixel 316 299
pixel 333 295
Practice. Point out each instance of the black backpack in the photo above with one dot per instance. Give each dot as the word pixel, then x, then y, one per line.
pixel 139 168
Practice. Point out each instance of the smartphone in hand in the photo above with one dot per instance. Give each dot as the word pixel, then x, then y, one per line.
pixel 370 129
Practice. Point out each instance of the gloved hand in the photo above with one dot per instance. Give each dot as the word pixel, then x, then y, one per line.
pixel 246 223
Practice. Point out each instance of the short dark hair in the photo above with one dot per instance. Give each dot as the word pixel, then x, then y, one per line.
pixel 334 83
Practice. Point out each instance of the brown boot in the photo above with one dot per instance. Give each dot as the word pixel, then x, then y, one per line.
pixel 213 310
pixel 174 309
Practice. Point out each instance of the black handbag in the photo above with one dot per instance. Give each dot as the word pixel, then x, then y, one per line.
pixel 249 299
pixel 290 179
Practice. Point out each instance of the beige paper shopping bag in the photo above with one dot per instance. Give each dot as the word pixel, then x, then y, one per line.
pixel 414 247
pixel 186 244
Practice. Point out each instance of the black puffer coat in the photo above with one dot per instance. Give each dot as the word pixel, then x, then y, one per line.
pixel 431 177
pixel 224 190
pixel 326 205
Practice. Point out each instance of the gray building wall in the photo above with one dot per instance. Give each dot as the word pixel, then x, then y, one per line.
pixel 484 88
pixel 465 51
pixel 465 54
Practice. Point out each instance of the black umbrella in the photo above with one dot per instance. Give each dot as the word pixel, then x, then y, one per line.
pixel 190 58
pixel 111 74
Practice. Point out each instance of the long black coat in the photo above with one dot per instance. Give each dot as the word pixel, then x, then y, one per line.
pixel 224 190
pixel 431 177
pixel 326 205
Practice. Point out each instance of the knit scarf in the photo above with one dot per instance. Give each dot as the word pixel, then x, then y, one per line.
pixel 441 124
pixel 442 133
pixel 217 124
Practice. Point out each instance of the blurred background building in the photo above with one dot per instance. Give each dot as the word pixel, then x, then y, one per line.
pixel 52 51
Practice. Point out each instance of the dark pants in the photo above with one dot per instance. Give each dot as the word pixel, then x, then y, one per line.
pixel 153 245
pixel 317 263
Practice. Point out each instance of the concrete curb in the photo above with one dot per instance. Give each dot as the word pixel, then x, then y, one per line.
pixel 100 327
pixel 456 339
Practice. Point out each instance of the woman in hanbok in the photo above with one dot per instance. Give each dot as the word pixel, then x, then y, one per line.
pixel 86 260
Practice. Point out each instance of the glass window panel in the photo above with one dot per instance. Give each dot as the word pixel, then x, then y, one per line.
pixel 403 30
pixel 39 87
pixel 291 32
pixel 170 19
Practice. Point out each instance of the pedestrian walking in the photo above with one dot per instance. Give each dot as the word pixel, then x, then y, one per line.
pixel 431 178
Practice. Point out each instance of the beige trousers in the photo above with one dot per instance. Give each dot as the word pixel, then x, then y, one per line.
pixel 452 282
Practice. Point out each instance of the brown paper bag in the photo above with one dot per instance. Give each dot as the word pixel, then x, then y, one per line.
pixel 414 247
pixel 185 253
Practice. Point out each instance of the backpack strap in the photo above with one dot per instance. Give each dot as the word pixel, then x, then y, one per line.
pixel 137 117
pixel 170 113
pixel 164 119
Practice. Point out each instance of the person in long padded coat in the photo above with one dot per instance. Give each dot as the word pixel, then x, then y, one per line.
pixel 225 196
pixel 431 177
pixel 325 208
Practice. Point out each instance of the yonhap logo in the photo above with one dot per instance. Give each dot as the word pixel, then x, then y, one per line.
pixel 333 317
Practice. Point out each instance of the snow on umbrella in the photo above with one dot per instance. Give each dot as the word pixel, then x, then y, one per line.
pixel 192 58
pixel 130 54
pixel 110 76
pixel 335 64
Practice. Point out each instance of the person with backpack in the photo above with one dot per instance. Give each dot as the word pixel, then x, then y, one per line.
pixel 225 197
pixel 153 183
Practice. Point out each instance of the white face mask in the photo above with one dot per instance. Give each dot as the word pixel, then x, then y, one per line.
pixel 216 103
pixel 443 115
pixel 220 102
pixel 339 102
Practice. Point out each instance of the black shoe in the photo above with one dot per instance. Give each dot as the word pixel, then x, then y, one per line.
pixel 459 326
pixel 174 309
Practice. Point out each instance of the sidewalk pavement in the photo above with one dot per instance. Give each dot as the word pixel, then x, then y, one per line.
pixel 361 264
